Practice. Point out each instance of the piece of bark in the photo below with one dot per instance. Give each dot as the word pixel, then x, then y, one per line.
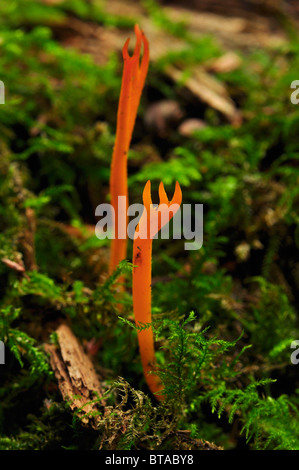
pixel 14 265
pixel 27 240
pixel 189 126
pixel 77 379
pixel 209 94
pixel 226 63
pixel 162 117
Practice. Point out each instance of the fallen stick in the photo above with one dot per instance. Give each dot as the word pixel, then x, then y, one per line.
pixel 77 379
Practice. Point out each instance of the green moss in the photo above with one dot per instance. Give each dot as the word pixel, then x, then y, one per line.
pixel 226 365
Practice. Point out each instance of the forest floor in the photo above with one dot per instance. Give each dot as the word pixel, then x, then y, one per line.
pixel 216 115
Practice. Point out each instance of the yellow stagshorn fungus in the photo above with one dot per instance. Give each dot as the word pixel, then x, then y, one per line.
pixel 151 221
pixel 133 78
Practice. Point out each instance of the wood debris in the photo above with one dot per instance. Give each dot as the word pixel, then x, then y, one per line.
pixel 202 87
pixel 77 379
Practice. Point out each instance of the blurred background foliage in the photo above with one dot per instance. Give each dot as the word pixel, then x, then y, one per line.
pixel 225 315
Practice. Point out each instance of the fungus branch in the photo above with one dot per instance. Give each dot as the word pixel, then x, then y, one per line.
pixel 151 221
pixel 134 74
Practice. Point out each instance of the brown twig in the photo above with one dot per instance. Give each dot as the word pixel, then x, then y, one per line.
pixel 77 379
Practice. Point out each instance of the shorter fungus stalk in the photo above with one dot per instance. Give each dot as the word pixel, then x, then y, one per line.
pixel 151 221
pixel 133 78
